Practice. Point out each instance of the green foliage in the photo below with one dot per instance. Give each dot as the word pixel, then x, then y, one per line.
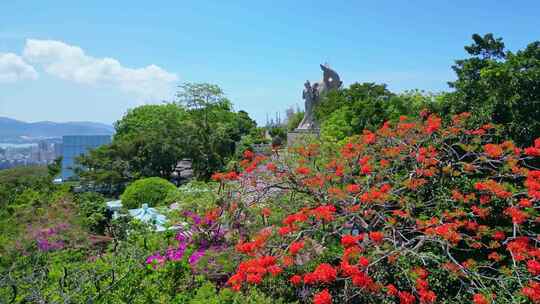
pixel 152 191
pixel 117 273
pixel 294 120
pixel 208 294
pixel 93 211
pixel 114 277
pixel 17 180
pixel 349 111
pixel 245 124
pixel 150 140
pixel 213 127
pixel 105 167
pixel 194 196
pixel 359 94
pixel 255 137
pixel 499 86
pixel 338 125
pixel 23 190
pixel 34 212
pixel 493 84
pixel 278 134
pixel 55 167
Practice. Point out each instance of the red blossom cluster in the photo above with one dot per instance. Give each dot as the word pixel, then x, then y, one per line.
pixel 394 208
pixel 532 291
pixel 323 297
pixel 533 150
pixel 532 183
pixel 251 161
pixel 427 156
pixel 253 271
pixel 493 187
pixel 296 247
pixel 447 231
pixel 303 170
pixel 433 123
pixel 323 213
pixel 479 298
pixel 368 137
pixel 323 274
pixel 228 176
pixel 259 241
pixel 349 241
pixel 376 194
pixel 493 150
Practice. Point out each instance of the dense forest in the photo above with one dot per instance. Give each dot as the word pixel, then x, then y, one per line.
pixel 405 197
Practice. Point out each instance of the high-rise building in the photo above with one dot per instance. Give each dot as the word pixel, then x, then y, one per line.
pixel 74 146
pixel 57 147
pixel 45 152
pixel 43 145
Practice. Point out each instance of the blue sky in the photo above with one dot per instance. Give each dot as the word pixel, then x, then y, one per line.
pixel 67 61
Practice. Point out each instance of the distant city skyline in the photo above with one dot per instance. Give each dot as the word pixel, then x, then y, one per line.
pixel 72 61
pixel 73 146
pixel 41 152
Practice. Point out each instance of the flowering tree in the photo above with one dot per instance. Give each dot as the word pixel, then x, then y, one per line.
pixel 415 212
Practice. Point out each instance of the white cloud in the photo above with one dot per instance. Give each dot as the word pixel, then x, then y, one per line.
pixel 71 63
pixel 13 68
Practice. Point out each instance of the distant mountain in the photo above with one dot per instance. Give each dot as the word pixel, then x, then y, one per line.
pixel 15 130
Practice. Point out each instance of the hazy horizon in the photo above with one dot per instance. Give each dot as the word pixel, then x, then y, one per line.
pixel 80 62
pixel 71 121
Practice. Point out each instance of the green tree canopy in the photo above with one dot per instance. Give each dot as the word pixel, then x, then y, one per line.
pixel 362 106
pixel 105 166
pixel 213 128
pixel 150 140
pixel 497 85
pixel 153 138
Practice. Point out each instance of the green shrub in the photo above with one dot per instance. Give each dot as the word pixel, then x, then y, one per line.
pixel 208 294
pixel 279 132
pixel 93 211
pixel 338 125
pixel 152 191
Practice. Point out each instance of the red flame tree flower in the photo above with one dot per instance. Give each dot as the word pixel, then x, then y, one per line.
pixel 414 212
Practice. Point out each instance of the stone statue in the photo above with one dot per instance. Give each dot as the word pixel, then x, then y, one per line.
pixel 313 93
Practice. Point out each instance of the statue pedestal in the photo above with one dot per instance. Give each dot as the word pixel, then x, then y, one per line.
pixel 300 136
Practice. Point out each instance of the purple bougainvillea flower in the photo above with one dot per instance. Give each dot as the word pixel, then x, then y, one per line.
pixel 208 222
pixel 182 237
pixel 196 219
pixel 155 260
pixel 196 256
pixel 43 244
pixel 46 245
pixel 176 254
pixel 62 226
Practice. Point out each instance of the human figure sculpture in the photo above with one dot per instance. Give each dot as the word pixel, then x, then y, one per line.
pixel 312 95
